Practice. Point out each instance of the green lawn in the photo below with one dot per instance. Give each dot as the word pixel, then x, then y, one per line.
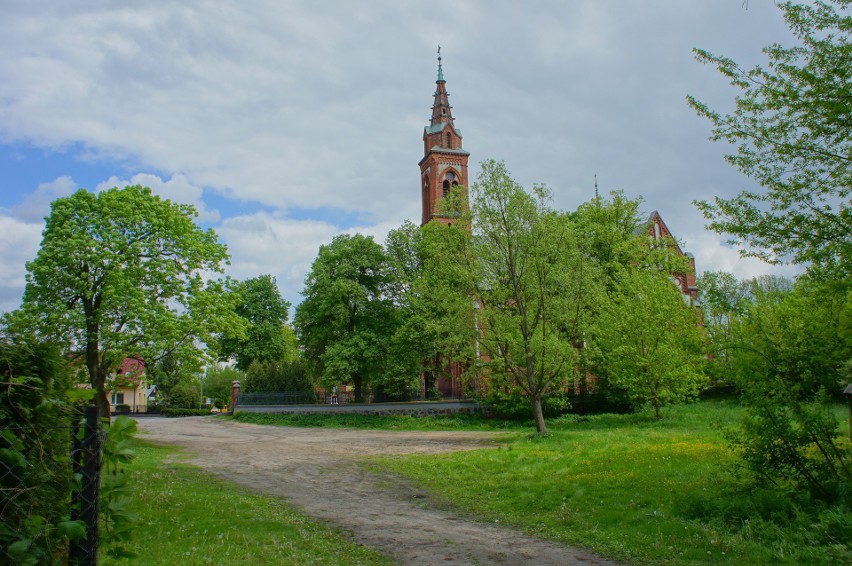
pixel 635 489
pixel 383 422
pixel 188 517
pixel 626 486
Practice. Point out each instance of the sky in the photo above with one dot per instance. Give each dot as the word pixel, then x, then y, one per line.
pixel 286 123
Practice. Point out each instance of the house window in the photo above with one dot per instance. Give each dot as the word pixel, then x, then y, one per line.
pixel 117 399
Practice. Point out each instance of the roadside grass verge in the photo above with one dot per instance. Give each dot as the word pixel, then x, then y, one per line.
pixel 460 421
pixel 189 517
pixel 636 489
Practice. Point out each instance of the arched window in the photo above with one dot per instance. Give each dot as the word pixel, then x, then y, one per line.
pixel 427 206
pixel 446 187
pixel 449 140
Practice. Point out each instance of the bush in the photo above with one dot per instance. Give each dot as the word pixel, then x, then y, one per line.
pixel 35 471
pixel 282 376
pixel 181 412
pixel 183 396
pixel 514 405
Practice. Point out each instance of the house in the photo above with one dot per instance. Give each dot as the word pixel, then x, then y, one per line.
pixel 127 386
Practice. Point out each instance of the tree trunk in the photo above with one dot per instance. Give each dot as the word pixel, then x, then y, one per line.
pixel 97 380
pixel 359 388
pixel 538 413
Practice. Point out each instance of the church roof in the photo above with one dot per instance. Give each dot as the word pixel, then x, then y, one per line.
pixel 439 149
pixel 439 127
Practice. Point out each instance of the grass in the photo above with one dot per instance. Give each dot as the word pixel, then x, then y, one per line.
pixel 635 489
pixel 627 486
pixel 459 421
pixel 189 517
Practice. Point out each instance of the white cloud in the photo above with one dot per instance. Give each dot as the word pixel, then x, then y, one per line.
pixel 321 105
pixel 19 241
pixel 262 243
pixel 36 205
pixel 715 255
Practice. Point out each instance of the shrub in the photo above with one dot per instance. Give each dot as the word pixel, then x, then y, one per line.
pixel 183 396
pixel 181 412
pixel 35 471
pixel 264 377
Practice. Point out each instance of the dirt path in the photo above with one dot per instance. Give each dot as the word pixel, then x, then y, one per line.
pixel 317 470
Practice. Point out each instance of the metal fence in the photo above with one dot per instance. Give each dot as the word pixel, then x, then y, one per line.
pixel 48 475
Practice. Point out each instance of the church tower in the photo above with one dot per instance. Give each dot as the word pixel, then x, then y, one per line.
pixel 444 162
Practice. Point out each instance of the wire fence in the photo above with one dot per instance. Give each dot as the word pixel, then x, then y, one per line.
pixel 50 492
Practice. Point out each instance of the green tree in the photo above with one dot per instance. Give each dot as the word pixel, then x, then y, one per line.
pixel 186 394
pixel 122 273
pixel 723 302
pixel 167 368
pixel 217 383
pixel 434 330
pixel 281 377
pixel 647 342
pixel 346 318
pixel 795 336
pixel 522 267
pixel 266 312
pixel 791 349
pixel 608 229
pixel 614 238
pixel 792 135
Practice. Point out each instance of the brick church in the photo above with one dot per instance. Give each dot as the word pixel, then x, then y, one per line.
pixel 445 164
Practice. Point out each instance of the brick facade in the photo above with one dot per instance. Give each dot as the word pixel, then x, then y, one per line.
pixel 444 162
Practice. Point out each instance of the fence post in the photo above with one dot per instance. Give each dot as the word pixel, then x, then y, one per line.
pixel 235 395
pixel 86 501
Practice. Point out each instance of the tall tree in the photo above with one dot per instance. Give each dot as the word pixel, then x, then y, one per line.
pixel 647 342
pixel 434 332
pixel 346 317
pixel 266 313
pixel 608 229
pixel 791 129
pixel 723 302
pixel 526 274
pixel 122 273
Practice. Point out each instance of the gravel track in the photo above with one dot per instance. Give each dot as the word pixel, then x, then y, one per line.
pixel 317 470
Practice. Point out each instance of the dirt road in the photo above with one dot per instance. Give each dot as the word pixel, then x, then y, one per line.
pixel 317 471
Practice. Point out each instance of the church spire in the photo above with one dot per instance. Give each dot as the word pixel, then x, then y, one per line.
pixel 442 112
pixel 444 163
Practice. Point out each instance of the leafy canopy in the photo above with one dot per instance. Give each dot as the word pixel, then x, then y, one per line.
pixel 265 312
pixel 346 317
pixel 791 129
pixel 522 270
pixel 124 273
